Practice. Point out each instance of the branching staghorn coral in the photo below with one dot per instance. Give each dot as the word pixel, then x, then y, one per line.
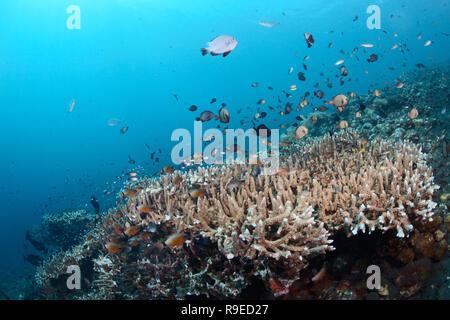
pixel 243 223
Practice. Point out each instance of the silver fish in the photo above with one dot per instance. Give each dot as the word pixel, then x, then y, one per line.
pixel 220 45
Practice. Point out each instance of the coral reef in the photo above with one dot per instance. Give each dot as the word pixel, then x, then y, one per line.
pixel 244 224
pixel 62 230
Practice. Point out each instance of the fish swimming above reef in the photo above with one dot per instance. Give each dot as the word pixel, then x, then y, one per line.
pixel 268 24
pixel 220 45
pixel 95 204
pixel 38 245
pixel 205 116
pixel 373 57
pixel 309 39
pixel 71 106
pixel 35 260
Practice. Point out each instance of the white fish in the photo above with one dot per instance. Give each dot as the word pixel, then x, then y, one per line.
pixel 114 122
pixel 220 45
pixel 72 104
pixel 367 45
pixel 290 70
pixel 339 62
pixel 427 43
pixel 268 24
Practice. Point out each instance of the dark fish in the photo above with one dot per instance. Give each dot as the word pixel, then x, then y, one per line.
pixel 305 67
pixel 95 204
pixel 193 108
pixel 299 118
pixel 355 18
pixel 152 155
pixel 33 259
pixel 301 76
pixel 213 100
pixel 420 66
pixel 159 150
pixel 319 94
pixel 175 96
pixel 321 109
pixel 260 131
pixel 38 245
pixel 123 130
pixel 206 116
pixel 373 57
pixel 309 39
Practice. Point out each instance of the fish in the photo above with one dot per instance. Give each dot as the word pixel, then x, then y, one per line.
pixel 213 100
pixel 95 204
pixel 321 109
pixel 373 57
pixel 261 101
pixel 131 231
pixel 113 247
pixel 268 24
pixel 339 62
pixel 301 76
pixel 290 70
pixel 301 132
pixel 220 45
pixel 420 65
pixel 175 96
pixel 414 113
pixel 197 192
pixel 71 106
pixel 175 240
pixel 339 101
pixel 144 209
pixel 376 93
pixel 132 174
pixel 319 94
pixel 398 84
pixel 262 131
pixel 224 115
pixel 427 43
pixel 355 18
pixel 255 84
pixel 124 130
pixel 113 122
pixel 367 45
pixel 193 108
pixel 309 39
pixel 206 116
pixel 168 169
pixel 36 244
pixel 343 124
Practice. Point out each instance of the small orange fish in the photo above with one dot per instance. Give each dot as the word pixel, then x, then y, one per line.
pixel 196 193
pixel 175 240
pixel 131 231
pixel 377 93
pixel 117 229
pixel 112 247
pixel 117 215
pixel 282 172
pixel 177 180
pixel 144 235
pixel 285 144
pixel 168 169
pixel 144 209
pixel 130 193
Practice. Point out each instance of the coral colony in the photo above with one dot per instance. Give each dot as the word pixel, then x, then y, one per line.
pixel 208 235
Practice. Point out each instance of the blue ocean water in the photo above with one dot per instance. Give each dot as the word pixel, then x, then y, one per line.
pixel 130 57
